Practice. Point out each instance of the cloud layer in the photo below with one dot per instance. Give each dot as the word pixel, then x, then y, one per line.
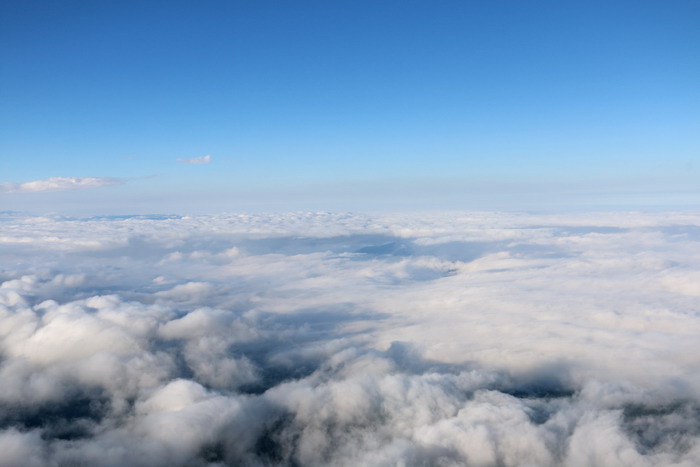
pixel 57 184
pixel 317 338
pixel 196 160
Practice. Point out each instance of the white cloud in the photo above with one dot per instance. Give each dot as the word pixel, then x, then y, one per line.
pixel 57 184
pixel 339 339
pixel 196 160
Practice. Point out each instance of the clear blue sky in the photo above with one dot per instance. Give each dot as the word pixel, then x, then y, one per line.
pixel 350 104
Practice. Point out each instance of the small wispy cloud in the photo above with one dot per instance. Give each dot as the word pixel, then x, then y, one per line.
pixel 58 184
pixel 196 160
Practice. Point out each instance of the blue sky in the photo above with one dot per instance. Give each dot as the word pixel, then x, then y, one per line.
pixel 349 105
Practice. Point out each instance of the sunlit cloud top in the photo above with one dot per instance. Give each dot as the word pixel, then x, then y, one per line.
pixel 319 339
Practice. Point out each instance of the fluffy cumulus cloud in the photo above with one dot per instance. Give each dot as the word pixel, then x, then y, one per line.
pixel 475 339
pixel 196 160
pixel 57 184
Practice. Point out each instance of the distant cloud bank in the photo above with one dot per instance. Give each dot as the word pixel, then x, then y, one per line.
pixel 57 184
pixel 196 160
pixel 479 339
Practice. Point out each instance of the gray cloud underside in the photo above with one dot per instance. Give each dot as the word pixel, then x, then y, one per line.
pixel 335 339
